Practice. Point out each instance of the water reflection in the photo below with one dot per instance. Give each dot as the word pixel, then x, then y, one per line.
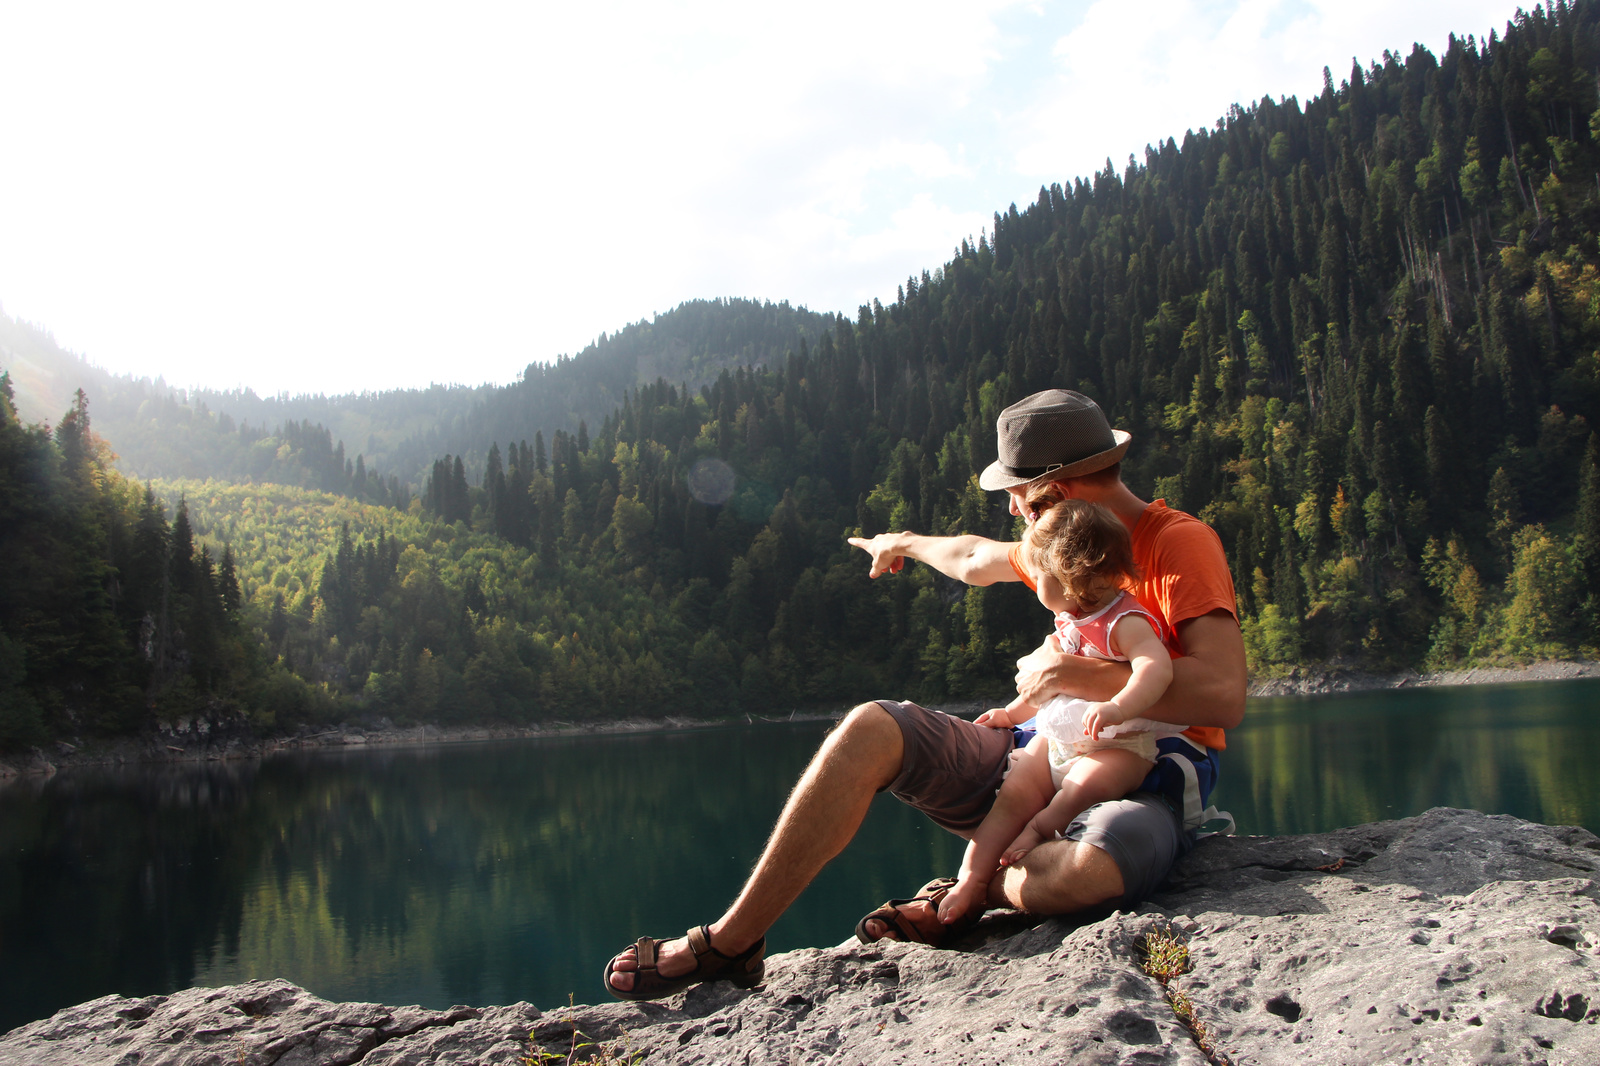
pixel 462 874
pixel 1306 765
pixel 493 873
pixel 118 880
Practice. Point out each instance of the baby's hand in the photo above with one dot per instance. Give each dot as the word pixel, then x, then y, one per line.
pixel 1026 841
pixel 995 718
pixel 1101 715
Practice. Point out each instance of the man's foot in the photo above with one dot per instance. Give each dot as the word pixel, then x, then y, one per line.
pixel 673 959
pixel 916 919
pixel 968 892
pixel 671 965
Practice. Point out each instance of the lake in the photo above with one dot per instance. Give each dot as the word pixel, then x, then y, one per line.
pixel 508 871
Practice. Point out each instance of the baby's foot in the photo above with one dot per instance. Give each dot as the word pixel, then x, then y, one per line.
pixel 967 893
pixel 1026 841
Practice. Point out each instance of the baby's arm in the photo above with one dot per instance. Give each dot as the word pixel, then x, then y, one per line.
pixel 1133 638
pixel 1014 713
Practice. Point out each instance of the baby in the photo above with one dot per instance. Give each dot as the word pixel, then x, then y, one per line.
pixel 1086 753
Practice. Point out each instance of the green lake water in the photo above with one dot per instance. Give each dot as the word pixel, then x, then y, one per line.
pixel 500 872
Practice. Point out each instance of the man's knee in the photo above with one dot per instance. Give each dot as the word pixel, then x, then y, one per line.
pixel 869 722
pixel 1059 877
pixel 870 738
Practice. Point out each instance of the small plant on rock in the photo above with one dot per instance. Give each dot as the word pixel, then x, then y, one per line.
pixel 1163 954
pixel 581 1049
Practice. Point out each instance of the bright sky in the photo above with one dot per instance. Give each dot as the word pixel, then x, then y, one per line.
pixel 331 196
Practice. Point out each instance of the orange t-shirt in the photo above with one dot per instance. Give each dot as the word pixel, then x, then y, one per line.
pixel 1185 575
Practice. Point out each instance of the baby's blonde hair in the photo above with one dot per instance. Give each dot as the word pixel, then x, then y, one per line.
pixel 1081 544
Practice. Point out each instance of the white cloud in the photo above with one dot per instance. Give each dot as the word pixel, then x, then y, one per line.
pixel 908 232
pixel 1121 84
pixel 335 196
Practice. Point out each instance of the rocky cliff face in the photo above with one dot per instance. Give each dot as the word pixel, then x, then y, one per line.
pixel 1452 937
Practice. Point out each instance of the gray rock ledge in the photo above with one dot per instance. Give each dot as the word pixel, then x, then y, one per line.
pixel 1452 937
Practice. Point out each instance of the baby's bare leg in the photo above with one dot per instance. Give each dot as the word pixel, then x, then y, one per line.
pixel 1027 788
pixel 1092 778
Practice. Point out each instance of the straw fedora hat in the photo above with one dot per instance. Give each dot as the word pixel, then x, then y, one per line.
pixel 1052 435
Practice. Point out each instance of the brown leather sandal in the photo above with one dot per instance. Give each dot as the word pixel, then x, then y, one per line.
pixel 933 894
pixel 745 969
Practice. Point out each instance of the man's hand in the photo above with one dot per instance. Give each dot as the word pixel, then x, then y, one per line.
pixel 887 551
pixel 1208 682
pixel 1044 672
pixel 994 718
pixel 974 560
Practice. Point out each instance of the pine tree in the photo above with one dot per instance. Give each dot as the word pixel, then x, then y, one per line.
pixel 1586 536
pixel 1505 513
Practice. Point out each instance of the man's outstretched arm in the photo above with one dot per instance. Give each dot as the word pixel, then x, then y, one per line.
pixel 969 558
pixel 1208 681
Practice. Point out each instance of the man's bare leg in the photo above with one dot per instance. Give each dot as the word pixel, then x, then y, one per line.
pixel 1058 877
pixel 827 806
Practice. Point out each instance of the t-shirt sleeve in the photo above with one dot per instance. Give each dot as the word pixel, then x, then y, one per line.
pixel 1015 557
pixel 1190 575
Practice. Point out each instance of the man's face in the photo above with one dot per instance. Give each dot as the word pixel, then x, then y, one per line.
pixel 1019 498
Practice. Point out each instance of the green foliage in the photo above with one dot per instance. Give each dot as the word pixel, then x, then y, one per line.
pixel 1544 591
pixel 111 620
pixel 20 719
pixel 1273 638
pixel 1454 579
pixel 1360 335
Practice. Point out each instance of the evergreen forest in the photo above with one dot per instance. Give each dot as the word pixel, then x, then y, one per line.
pixel 1359 335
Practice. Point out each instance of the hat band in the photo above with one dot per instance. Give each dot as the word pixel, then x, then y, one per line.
pixel 1030 472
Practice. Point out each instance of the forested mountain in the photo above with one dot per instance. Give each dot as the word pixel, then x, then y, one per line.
pixel 161 431
pixel 688 346
pixel 235 435
pixel 1359 335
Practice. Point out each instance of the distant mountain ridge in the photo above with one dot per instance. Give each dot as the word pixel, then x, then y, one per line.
pixel 161 431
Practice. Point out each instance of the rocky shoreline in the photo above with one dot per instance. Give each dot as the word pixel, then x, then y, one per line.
pixel 1316 682
pixel 202 742
pixel 1451 937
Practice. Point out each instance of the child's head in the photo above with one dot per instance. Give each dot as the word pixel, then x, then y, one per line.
pixel 1082 545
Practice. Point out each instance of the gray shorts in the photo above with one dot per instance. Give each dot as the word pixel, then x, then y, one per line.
pixel 952 768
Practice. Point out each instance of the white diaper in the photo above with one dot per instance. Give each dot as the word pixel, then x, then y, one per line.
pixel 1062 756
pixel 1061 719
pixel 1061 722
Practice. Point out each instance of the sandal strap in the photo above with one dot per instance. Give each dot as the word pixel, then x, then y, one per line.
pixel 745 969
pixel 700 943
pixel 892 916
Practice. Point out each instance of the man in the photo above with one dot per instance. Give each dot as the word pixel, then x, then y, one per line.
pixel 949 768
